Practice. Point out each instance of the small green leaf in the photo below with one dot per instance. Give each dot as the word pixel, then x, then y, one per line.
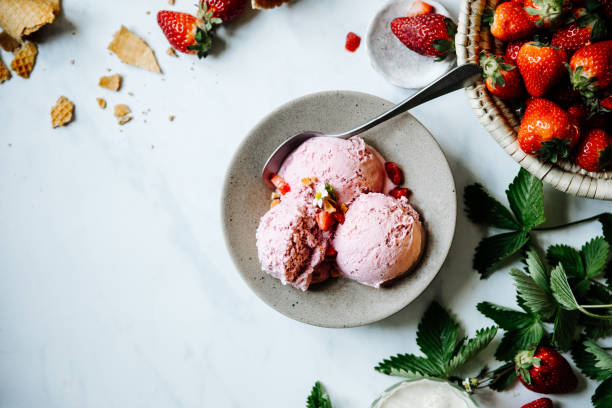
pixel 536 269
pixel 472 347
pixel 603 395
pixel 330 190
pixel 526 199
pixel 506 318
pixel 537 299
pixel 482 208
pixel 409 366
pixel 595 253
pixel 554 150
pixel 437 336
pixel 318 398
pixel 517 340
pixel 569 257
pixel 492 250
pixel 606 223
pixel 592 360
pixel 564 329
pixel 561 289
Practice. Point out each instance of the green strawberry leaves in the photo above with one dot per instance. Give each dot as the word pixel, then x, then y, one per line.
pixel 554 150
pixel 526 212
pixel 318 397
pixel 595 363
pixel 438 339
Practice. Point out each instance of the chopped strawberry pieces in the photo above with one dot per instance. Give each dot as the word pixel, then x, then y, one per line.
pixel 352 42
pixel 280 184
pixel 331 251
pixel 394 173
pixel 325 220
pixel 339 216
pixel 399 192
pixel 606 102
pixel 419 7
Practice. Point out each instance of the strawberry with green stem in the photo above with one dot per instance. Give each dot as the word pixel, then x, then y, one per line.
pixel 546 13
pixel 432 35
pixel 590 71
pixel 541 66
pixel 510 22
pixel 594 153
pixel 546 371
pixel 501 78
pixel 587 27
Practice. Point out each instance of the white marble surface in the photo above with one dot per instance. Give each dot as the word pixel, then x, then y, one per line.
pixel 115 286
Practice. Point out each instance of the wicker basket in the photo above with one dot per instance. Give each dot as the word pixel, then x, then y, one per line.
pixel 502 122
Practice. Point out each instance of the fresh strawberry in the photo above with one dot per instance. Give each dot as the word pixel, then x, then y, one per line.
pixel 501 78
pixel 595 151
pixel 588 27
pixel 331 251
pixel 325 220
pixel 545 371
pixel 280 184
pixel 541 67
pixel 579 112
pixel 547 130
pixel 539 403
pixel 547 13
pixel 399 192
pixel 432 35
pixel 419 7
pixel 226 10
pixel 512 50
pixel 394 172
pixel 591 70
pixel 187 33
pixel 511 22
pixel 339 216
pixel 606 102
pixel 352 42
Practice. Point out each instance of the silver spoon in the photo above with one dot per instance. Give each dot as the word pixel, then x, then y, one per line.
pixel 457 78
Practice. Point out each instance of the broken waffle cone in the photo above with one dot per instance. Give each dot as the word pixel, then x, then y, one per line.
pixel 24 59
pixel 23 17
pixel 267 4
pixel 132 50
pixel 61 113
pixel 121 110
pixel 5 74
pixel 111 82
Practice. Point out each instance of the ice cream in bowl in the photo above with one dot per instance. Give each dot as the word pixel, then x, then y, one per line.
pixel 424 393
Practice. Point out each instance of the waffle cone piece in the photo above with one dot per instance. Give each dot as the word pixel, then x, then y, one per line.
pixel 23 17
pixel 132 50
pixel 61 113
pixel 24 59
pixel 5 74
pixel 267 4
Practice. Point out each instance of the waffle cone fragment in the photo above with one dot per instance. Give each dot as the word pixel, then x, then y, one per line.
pixel 5 74
pixel 267 4
pixel 8 43
pixel 111 82
pixel 23 17
pixel 24 59
pixel 132 50
pixel 61 113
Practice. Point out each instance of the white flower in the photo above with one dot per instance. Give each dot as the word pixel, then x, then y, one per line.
pixel 319 197
pixel 467 385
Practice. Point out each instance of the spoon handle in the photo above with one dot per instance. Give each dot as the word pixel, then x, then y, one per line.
pixel 459 77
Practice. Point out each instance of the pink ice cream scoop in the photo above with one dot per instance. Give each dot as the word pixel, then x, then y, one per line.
pixel 350 166
pixel 291 247
pixel 380 240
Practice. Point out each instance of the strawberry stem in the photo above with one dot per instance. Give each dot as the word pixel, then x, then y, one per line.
pixel 569 224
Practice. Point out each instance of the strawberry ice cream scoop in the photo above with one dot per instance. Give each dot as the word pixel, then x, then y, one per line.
pixel 350 166
pixel 291 247
pixel 380 240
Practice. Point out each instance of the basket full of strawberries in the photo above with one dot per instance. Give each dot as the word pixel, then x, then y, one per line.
pixel 546 93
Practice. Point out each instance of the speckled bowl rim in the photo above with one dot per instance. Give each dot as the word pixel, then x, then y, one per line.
pixel 424 283
pixel 396 385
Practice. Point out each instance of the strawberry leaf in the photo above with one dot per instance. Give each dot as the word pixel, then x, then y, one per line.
pixel 472 347
pixel 482 208
pixel 595 253
pixel 492 250
pixel 554 150
pixel 564 329
pixel 525 338
pixel 526 199
pixel 592 360
pixel 437 336
pixel 318 398
pixel 561 289
pixel 506 318
pixel 606 224
pixel 603 395
pixel 536 298
pixel 569 257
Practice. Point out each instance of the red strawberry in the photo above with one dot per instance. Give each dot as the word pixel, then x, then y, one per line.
pixel 419 7
pixel 546 13
pixel 587 28
pixel 579 112
pixel 545 371
pixel 187 33
pixel 591 70
pixel 331 251
pixel 595 151
pixel 501 78
pixel 280 184
pixel 432 35
pixel 339 216
pixel 352 42
pixel 394 172
pixel 399 192
pixel 547 130
pixel 539 403
pixel 226 10
pixel 511 22
pixel 541 67
pixel 325 220
pixel 606 102
pixel 512 50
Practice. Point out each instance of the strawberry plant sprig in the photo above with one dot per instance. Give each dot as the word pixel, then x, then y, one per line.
pixel 526 214
pixel 445 352
pixel 595 363
pixel 318 397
